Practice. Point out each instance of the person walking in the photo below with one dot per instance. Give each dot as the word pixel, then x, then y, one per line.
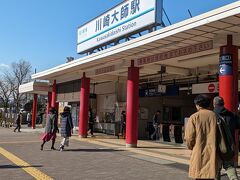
pixel 66 127
pixel 156 122
pixel 232 121
pixel 18 121
pixel 90 122
pixel 51 128
pixel 123 123
pixel 29 119
pixel 201 138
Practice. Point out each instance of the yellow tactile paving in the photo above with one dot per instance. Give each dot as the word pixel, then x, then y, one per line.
pixel 25 166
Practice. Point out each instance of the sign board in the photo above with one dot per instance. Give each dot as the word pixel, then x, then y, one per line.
pixel 225 65
pixel 128 17
pixel 212 87
pixel 162 88
pixel 176 53
pixel 205 88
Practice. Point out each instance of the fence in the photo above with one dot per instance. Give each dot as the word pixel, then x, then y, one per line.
pixel 7 119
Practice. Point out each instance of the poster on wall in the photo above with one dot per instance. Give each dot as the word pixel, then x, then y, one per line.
pixel 143 113
pixel 109 102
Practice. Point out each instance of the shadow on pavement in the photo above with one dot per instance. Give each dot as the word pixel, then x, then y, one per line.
pixel 15 166
pixel 92 150
pixel 179 166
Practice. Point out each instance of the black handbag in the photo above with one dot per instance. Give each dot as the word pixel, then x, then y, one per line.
pixel 224 139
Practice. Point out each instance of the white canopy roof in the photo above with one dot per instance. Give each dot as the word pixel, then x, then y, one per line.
pixel 112 63
pixel 35 88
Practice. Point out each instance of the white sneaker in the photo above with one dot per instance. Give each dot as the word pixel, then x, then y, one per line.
pixel 61 148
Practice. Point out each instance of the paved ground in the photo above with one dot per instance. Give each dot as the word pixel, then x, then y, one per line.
pixel 102 157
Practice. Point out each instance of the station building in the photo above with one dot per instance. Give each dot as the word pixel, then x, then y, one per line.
pixel 163 69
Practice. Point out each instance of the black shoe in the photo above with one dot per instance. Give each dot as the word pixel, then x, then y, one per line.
pixel 41 147
pixel 53 148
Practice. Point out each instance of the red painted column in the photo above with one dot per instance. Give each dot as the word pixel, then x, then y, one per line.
pixel 49 102
pixel 84 103
pixel 54 94
pixel 228 80
pixel 34 111
pixel 132 106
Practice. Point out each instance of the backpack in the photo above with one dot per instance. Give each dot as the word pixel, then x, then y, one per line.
pixel 224 139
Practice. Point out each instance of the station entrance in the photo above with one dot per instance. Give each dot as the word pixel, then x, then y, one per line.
pixel 155 71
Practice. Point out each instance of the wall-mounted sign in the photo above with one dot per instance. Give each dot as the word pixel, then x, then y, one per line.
pixel 129 16
pixel 104 70
pixel 176 53
pixel 211 87
pixel 162 88
pixel 225 65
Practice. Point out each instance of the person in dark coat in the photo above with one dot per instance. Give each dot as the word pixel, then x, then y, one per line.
pixel 66 127
pixel 233 123
pixel 51 128
pixel 18 122
pixel 123 123
pixel 90 121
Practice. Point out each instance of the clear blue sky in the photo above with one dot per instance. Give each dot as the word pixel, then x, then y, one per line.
pixel 44 32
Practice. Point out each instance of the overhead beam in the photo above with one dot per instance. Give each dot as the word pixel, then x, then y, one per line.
pixel 177 70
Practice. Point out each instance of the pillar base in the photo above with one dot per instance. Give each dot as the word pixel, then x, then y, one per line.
pixel 82 136
pixel 131 145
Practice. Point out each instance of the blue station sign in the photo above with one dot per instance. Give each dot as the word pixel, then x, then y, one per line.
pixel 225 65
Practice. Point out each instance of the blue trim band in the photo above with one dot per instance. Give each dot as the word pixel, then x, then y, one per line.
pixel 134 17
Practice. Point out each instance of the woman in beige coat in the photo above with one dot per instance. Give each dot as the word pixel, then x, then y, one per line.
pixel 200 136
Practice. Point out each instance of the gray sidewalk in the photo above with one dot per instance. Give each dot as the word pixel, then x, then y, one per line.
pixel 101 157
pixel 82 160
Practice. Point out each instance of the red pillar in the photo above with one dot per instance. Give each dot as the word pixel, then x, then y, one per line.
pixel 49 102
pixel 34 111
pixel 54 94
pixel 228 80
pixel 84 103
pixel 132 106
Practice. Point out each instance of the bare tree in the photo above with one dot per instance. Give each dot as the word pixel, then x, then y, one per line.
pixel 19 74
pixel 6 90
pixel 5 95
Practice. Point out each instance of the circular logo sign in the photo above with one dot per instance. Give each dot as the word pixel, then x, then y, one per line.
pixel 211 87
